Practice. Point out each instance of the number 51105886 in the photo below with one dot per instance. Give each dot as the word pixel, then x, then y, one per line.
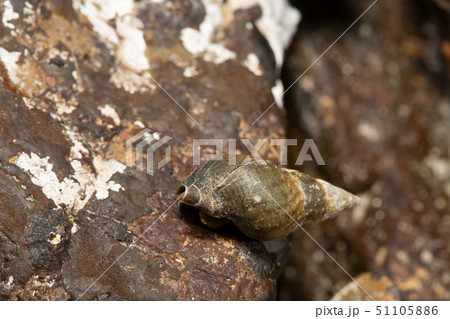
pixel 407 310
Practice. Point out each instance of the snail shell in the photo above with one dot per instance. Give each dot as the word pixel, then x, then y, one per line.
pixel 265 202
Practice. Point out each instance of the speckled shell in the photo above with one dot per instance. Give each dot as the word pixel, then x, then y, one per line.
pixel 265 202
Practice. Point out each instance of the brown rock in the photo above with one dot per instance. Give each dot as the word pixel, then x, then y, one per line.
pixel 75 222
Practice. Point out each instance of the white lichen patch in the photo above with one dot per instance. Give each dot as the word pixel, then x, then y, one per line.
pixel 22 72
pixel 43 282
pixel 108 111
pixel 278 23
pixel 29 14
pixel 130 81
pixel 74 228
pixel 78 149
pixel 28 103
pixel 9 60
pixel 41 174
pixel 217 53
pixel 189 69
pixel 62 106
pixel 55 239
pixel 252 63
pixel 132 49
pixel 54 52
pixel 278 92
pixel 76 190
pixel 98 13
pixel 8 284
pixel 127 37
pixel 109 9
pixel 105 170
pixel 139 124
pixel 193 41
pixel 199 42
pixel 8 14
pixel 179 261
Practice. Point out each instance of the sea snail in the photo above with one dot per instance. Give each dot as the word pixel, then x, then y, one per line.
pixel 263 201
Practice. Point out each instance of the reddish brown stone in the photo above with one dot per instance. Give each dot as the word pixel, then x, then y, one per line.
pixel 70 98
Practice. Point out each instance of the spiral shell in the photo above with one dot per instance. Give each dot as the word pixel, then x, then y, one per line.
pixel 264 202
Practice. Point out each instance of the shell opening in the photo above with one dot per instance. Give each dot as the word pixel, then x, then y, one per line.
pixel 180 189
pixel 190 214
pixel 194 215
pixel 189 194
pixel 189 207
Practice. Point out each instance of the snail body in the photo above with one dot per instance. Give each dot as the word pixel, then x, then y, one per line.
pixel 265 202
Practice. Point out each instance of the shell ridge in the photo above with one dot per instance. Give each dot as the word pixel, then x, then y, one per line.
pixel 293 174
pixel 199 193
pixel 231 174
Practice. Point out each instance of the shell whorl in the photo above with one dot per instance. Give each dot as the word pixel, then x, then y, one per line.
pixel 265 202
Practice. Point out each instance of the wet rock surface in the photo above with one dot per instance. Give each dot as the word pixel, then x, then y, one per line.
pixel 378 108
pixel 75 221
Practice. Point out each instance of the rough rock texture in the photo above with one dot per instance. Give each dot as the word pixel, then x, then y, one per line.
pixel 378 107
pixel 77 80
